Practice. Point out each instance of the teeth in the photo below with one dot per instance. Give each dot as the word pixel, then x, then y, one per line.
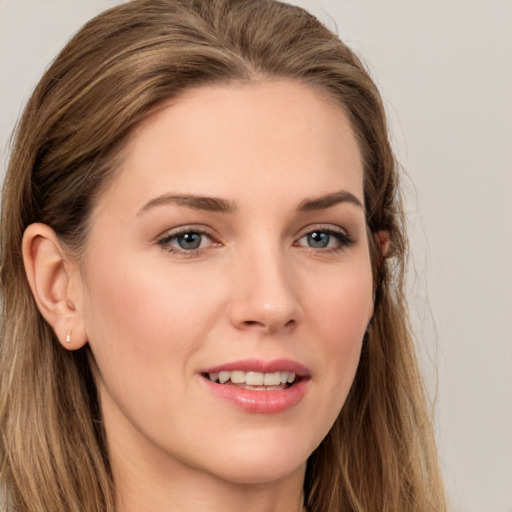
pixel 237 377
pixel 272 379
pixel 253 378
pixel 224 377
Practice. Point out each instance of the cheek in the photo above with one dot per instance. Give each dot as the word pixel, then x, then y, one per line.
pixel 141 321
pixel 343 305
pixel 343 312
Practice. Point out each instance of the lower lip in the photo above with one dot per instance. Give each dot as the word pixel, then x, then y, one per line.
pixel 261 402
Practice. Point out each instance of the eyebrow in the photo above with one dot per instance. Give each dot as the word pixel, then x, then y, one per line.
pixel 324 202
pixel 210 204
pixel 219 205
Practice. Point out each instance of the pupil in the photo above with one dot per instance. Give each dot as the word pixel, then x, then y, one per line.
pixel 189 241
pixel 318 240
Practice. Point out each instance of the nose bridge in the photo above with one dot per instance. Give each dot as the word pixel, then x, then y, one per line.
pixel 265 296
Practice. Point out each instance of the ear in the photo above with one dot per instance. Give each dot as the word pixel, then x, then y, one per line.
pixel 55 281
pixel 383 240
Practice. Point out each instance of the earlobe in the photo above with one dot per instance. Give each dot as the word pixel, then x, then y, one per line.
pixel 383 240
pixel 53 278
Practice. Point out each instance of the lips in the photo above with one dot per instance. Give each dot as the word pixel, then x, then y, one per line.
pixel 256 386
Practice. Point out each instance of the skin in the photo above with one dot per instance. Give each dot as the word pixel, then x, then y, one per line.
pixel 156 315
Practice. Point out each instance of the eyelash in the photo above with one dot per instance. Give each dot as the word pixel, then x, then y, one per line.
pixel 166 241
pixel 344 240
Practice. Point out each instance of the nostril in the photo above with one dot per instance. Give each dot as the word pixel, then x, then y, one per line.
pixel 251 323
pixel 268 327
pixel 290 324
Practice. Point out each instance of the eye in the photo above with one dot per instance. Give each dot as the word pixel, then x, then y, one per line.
pixel 325 239
pixel 187 241
pixel 318 239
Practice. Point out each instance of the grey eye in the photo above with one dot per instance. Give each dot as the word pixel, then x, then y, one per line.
pixel 318 239
pixel 189 241
pixel 325 238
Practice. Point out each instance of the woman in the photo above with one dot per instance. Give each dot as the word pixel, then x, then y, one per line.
pixel 202 257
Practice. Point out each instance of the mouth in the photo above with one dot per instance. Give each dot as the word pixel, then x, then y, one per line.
pixel 259 386
pixel 257 381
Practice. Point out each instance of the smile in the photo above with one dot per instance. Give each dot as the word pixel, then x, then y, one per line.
pixel 254 380
pixel 255 386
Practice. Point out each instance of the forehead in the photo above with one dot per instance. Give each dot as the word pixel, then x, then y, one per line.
pixel 242 137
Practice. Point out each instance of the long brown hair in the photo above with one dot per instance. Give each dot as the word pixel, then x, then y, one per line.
pixel 118 70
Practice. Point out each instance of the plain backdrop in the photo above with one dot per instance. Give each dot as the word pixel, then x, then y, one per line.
pixel 445 71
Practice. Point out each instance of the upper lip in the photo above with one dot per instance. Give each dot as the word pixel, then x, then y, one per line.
pixel 262 366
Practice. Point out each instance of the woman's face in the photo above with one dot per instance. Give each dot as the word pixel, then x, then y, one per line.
pixel 231 247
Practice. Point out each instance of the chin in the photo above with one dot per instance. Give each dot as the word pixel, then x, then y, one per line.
pixel 259 473
pixel 261 462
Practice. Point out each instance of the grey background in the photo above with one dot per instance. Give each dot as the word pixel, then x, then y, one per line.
pixel 445 70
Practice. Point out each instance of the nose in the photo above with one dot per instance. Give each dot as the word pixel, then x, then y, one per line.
pixel 265 293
